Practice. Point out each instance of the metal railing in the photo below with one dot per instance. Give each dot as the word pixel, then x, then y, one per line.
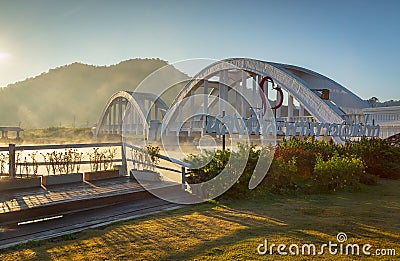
pixel 297 119
pixel 183 165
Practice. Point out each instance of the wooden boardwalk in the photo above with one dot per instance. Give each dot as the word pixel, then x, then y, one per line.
pixel 23 205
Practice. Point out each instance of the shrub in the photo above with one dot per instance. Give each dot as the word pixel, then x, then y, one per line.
pixel 208 165
pixel 281 177
pixel 303 165
pixel 381 159
pixel 326 149
pixel 337 173
pixel 153 152
pixel 241 187
pixel 302 158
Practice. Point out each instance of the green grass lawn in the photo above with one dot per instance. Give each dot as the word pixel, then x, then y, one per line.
pixel 232 230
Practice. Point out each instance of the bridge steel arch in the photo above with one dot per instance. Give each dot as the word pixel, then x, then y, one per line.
pixel 137 105
pixel 343 98
pixel 298 82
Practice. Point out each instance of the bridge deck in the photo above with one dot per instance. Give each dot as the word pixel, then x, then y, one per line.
pixel 23 205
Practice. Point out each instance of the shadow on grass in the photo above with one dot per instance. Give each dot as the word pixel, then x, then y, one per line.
pixel 234 230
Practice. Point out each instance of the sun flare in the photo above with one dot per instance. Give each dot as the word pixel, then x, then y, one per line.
pixel 4 55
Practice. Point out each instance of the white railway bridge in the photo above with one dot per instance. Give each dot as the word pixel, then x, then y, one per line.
pixel 307 97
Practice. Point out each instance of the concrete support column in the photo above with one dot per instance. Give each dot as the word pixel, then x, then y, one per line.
pixel 109 120
pixel 265 88
pixel 290 108
pixel 119 128
pixel 114 109
pixel 226 85
pixel 179 120
pixel 191 105
pixel 156 111
pixel 255 91
pixel 205 100
pixel 205 105
pixel 222 91
pixel 244 89
pixel 238 95
pixel 301 111
pixel 131 111
pixel 278 112
pixel 137 121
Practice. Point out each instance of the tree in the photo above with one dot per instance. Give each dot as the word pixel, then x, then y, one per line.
pixel 373 101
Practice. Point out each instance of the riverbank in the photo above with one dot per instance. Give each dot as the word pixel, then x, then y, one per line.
pixel 58 135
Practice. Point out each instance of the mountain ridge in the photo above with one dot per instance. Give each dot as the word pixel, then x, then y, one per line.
pixel 71 95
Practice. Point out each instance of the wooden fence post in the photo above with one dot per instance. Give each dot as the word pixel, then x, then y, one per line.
pixel 11 160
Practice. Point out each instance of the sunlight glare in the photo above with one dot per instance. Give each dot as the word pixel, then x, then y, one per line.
pixel 4 56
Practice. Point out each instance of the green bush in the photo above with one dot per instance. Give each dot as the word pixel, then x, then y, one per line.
pixel 326 149
pixel 302 158
pixel 241 186
pixel 208 165
pixel 381 158
pixel 303 165
pixel 281 177
pixel 153 152
pixel 336 173
pixel 212 163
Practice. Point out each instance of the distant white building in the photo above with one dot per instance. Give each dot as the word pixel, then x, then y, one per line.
pixel 388 118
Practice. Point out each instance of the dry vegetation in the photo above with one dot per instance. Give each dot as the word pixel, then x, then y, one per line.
pixel 60 135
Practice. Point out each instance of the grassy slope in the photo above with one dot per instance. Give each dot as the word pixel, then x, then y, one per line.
pixel 233 230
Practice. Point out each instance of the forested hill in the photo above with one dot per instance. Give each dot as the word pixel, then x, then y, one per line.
pixel 70 95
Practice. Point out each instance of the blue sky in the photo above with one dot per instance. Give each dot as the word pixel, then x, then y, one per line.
pixel 356 43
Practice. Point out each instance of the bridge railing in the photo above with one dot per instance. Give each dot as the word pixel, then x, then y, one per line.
pixel 183 165
pixel 296 119
pixel 355 118
pixel 14 162
pixel 383 118
pixel 382 115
